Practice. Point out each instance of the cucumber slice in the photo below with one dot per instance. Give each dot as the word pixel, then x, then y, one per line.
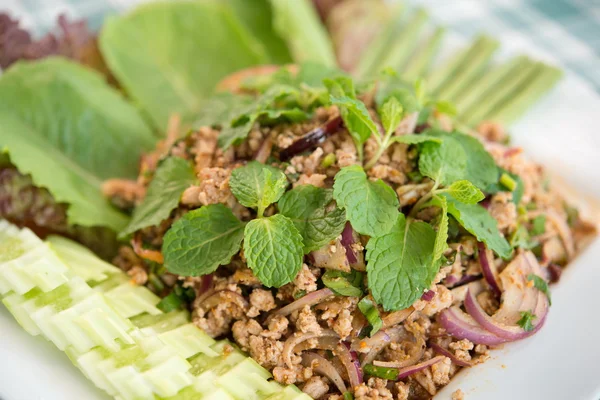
pixel 188 341
pixel 162 322
pixel 290 392
pixel 130 300
pixel 14 304
pixel 251 381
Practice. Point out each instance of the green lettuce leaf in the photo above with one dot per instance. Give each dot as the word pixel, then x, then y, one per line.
pixel 169 56
pixel 61 123
pixel 171 178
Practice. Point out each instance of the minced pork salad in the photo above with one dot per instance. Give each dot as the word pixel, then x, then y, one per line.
pixel 352 238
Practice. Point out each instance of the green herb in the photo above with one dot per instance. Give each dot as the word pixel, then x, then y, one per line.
pixel 273 249
pixel 465 192
pixel 348 396
pixel 572 215
pixel 444 162
pixel 477 220
pixel 541 285
pixel 445 107
pixel 381 372
pixel 526 321
pixel 71 146
pixel 172 177
pixel 257 185
pixel 298 24
pixel 136 51
pixel 314 214
pixel 538 225
pixel 169 303
pixel 371 206
pixel 400 265
pixel 299 294
pixel 391 113
pixel 441 236
pixel 371 313
pixel 344 283
pixel 508 182
pixel 328 160
pixel 520 239
pixel 407 95
pixel 202 240
pixel 221 108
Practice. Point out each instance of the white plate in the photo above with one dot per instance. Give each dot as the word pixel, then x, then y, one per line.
pixel 560 362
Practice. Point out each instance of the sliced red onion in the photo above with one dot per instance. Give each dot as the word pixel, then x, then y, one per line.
pixel 347 242
pixel 357 373
pixel 324 367
pixel 306 300
pixel 312 139
pixel 447 353
pixel 348 358
pixel 428 295
pixel 404 372
pixel 294 340
pixel 554 272
pixel 264 151
pixel 397 317
pixel 328 259
pixel 486 259
pixel 415 356
pixel 563 231
pixel 224 296
pixel 378 342
pixel 206 283
pixel 462 326
pixel 465 279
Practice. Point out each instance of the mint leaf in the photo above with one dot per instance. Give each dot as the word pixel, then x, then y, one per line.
pixel 391 115
pixel 314 214
pixel 395 87
pixel 344 283
pixel 233 135
pixel 526 321
pixel 415 139
pixel 481 167
pixel 465 192
pixel 356 118
pixel 257 185
pixel 371 206
pixel 371 313
pixel 540 285
pixel 441 237
pixel 444 162
pixel 400 265
pixel 478 221
pixel 171 178
pixel 221 108
pixel 273 249
pixel 202 240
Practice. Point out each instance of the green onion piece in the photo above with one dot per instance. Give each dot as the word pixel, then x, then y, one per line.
pixel 381 372
pixel 156 282
pixel 328 160
pixel 539 225
pixel 371 313
pixel 348 396
pixel 299 294
pixel 508 182
pixel 170 303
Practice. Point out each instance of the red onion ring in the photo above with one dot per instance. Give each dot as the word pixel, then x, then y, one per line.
pixel 223 296
pixel 404 372
pixel 294 340
pixel 417 354
pixel 306 300
pixel 462 326
pixel 348 358
pixel 489 271
pixel 428 295
pixel 324 367
pixel 447 353
pixel 206 283
pixel 397 317
pixel 347 241
pixel 378 342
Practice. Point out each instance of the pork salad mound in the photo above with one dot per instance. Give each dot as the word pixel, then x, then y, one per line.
pixel 350 237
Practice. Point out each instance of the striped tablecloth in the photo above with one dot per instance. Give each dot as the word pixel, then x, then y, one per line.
pixel 567 31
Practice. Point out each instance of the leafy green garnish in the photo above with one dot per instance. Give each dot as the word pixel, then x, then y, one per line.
pixel 526 321
pixel 478 221
pixel 400 263
pixel 441 236
pixel 221 108
pixel 257 186
pixel 498 186
pixel 298 24
pixel 381 372
pixel 344 283
pixel 202 240
pixel 315 215
pixel 371 313
pixel 391 113
pixel 481 167
pixel 371 206
pixel 169 303
pixel 443 162
pixel 521 239
pixel 171 178
pixel 541 285
pixel 273 249
pixel 153 44
pixel 65 144
pixel 538 225
pixel 465 192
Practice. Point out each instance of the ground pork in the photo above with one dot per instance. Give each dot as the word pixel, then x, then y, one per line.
pixel 242 330
pixel 504 211
pixel 441 371
pixel 308 164
pixel 204 147
pixel 216 321
pixel 276 328
pixel 289 376
pixel 441 300
pixel 316 387
pixel 317 180
pixel 214 186
pixel 492 131
pixel 306 280
pixel 307 321
pixel 462 349
pixel 387 173
pixel 458 395
pixel 260 300
pixel 245 276
pixel 402 391
pixel 124 193
pixel 266 351
pixel 374 389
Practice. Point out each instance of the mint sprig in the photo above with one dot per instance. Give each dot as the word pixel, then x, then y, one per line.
pixel 315 215
pixel 202 240
pixel 257 185
pixel 371 206
pixel 465 192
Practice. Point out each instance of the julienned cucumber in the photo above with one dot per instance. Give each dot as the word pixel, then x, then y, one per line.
pixel 113 332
